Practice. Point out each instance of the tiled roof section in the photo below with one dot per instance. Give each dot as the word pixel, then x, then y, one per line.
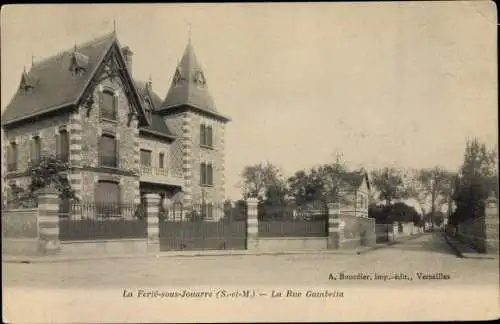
pixel 189 85
pixel 354 179
pixel 157 124
pixel 56 85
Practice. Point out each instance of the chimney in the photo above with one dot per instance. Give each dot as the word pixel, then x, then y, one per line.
pixel 128 57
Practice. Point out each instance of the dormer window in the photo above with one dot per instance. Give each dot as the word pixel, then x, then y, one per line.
pixel 199 78
pixel 27 83
pixel 178 78
pixel 78 64
pixel 149 110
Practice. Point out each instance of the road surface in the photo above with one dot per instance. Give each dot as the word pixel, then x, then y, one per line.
pixel 427 254
pixel 108 291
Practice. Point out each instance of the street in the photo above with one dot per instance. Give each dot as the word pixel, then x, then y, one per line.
pixel 314 287
pixel 428 254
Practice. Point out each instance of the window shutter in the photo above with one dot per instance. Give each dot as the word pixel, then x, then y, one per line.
pixel 59 146
pixel 209 175
pixel 209 136
pixel 117 152
pixel 202 135
pixel 99 151
pixel 114 106
pixel 101 103
pixel 32 150
pixel 202 173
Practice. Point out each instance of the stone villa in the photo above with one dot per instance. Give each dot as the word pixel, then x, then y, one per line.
pixel 120 138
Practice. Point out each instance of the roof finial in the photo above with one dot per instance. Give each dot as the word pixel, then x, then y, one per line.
pixel 150 81
pixel 114 25
pixel 32 60
pixel 189 33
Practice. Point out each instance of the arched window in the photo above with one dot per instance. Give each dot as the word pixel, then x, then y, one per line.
pixel 108 105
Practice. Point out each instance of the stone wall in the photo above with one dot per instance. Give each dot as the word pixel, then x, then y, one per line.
pixel 127 136
pixel 156 146
pixel 22 135
pixel 215 156
pixel 20 232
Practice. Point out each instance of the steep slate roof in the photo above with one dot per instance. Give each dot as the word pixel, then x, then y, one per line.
pixel 55 85
pixel 157 126
pixel 189 92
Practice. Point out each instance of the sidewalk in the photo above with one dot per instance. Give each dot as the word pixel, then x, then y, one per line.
pixel 464 251
pixel 181 254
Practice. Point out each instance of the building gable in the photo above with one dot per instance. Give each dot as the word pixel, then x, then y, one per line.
pixel 113 66
pixel 66 80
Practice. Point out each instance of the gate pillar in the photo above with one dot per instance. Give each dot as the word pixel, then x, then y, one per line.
pixel 48 220
pixel 335 227
pixel 153 211
pixel 252 224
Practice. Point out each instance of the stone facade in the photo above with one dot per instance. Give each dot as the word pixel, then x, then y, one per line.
pixel 85 125
pixel 214 156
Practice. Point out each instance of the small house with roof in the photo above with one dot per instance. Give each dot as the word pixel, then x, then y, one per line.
pixel 354 193
pixel 120 138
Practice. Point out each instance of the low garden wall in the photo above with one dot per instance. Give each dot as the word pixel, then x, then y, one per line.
pixel 20 234
pixel 358 232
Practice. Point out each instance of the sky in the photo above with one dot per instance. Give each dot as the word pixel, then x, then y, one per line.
pixel 384 84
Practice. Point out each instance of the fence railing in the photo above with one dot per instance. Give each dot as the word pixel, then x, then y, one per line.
pixel 87 210
pixel 293 228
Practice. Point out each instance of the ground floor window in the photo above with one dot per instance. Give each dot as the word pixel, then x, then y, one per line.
pixel 108 199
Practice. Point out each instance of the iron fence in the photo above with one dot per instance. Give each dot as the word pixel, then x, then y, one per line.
pixel 99 221
pixel 88 210
pixel 203 235
pixel 293 228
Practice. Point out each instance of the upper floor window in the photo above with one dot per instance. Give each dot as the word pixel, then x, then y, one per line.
pixel 206 174
pixel 36 149
pixel 206 135
pixel 108 105
pixel 145 157
pixel 12 157
pixel 108 151
pixel 63 145
pixel 161 160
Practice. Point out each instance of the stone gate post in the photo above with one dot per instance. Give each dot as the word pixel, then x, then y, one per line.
pixel 335 229
pixel 252 224
pixel 491 221
pixel 153 211
pixel 48 221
